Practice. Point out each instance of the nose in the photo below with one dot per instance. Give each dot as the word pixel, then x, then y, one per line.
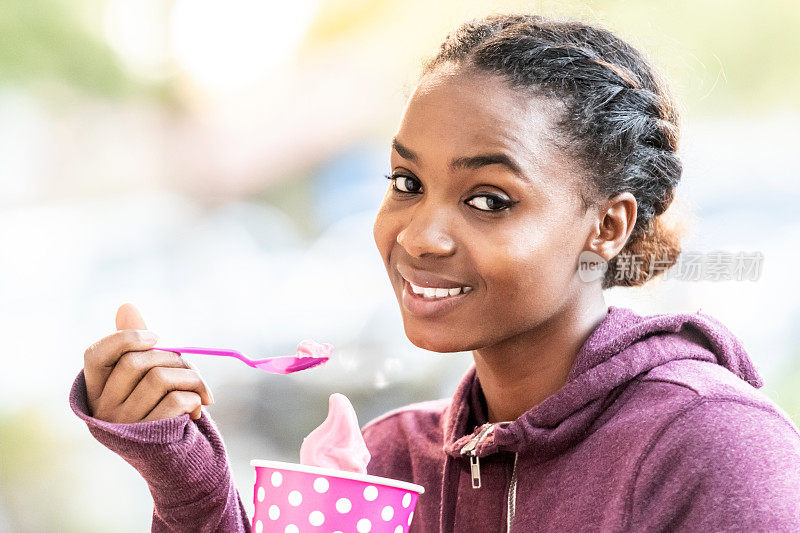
pixel 427 233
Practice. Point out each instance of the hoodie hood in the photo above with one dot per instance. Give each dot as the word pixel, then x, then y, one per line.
pixel 620 348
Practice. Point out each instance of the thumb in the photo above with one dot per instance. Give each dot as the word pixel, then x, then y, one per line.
pixel 128 317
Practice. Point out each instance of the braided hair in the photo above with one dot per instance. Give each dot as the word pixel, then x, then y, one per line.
pixel 621 124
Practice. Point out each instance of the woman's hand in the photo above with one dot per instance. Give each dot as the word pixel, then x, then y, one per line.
pixel 128 382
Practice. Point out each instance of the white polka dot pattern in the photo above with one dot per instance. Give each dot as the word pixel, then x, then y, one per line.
pixel 370 493
pixel 343 505
pixel 387 513
pixel 316 518
pixel 288 501
pixel 321 485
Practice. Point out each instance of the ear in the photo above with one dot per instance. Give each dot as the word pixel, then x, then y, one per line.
pixel 614 224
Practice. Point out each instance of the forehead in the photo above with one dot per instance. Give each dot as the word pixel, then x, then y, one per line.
pixel 457 111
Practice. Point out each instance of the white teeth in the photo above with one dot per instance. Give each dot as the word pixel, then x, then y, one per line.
pixel 432 292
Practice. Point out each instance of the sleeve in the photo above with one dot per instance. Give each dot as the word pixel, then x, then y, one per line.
pixel 721 465
pixel 184 463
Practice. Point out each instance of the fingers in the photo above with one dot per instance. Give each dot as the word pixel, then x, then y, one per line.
pixel 131 368
pixel 157 385
pixel 129 317
pixel 126 381
pixel 100 358
pixel 175 403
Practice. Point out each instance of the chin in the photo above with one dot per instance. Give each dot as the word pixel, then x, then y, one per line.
pixel 427 339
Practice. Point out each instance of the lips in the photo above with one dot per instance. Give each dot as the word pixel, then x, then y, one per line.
pixel 431 308
pixel 423 278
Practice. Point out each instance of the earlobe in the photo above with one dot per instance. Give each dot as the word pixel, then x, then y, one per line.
pixel 601 247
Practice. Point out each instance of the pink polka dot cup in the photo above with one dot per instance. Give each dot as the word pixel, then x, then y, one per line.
pixel 296 498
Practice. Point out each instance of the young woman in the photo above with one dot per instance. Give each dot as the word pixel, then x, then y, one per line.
pixel 528 146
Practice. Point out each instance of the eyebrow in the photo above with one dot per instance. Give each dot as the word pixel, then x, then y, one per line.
pixel 468 162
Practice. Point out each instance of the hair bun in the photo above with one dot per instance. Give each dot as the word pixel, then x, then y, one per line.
pixel 647 254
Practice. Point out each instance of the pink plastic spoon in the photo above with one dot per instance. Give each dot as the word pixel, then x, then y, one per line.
pixel 309 354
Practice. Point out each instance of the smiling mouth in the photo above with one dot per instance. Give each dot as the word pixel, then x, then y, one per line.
pixel 431 307
pixel 432 293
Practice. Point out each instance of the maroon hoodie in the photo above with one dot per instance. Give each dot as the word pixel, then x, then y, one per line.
pixel 660 426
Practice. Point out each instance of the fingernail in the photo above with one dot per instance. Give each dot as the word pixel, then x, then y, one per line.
pixel 148 336
pixel 210 394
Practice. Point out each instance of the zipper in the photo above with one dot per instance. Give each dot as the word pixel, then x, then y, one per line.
pixel 474 460
pixel 512 495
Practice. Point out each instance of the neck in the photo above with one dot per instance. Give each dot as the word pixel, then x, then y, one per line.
pixel 520 372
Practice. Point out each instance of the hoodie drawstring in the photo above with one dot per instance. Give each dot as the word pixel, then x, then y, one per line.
pixel 447 510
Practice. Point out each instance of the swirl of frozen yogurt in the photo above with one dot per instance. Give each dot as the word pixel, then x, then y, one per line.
pixel 337 443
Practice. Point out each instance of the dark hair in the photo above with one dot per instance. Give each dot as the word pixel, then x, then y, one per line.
pixel 621 124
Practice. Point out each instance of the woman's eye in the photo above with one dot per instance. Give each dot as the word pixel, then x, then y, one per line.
pixel 402 183
pixel 486 202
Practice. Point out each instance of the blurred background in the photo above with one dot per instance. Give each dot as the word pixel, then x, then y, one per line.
pixel 220 164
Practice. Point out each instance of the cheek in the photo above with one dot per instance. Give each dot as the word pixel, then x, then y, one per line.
pixel 382 232
pixel 531 264
pixel 512 260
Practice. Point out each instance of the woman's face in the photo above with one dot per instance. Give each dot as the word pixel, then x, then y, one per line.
pixel 467 146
